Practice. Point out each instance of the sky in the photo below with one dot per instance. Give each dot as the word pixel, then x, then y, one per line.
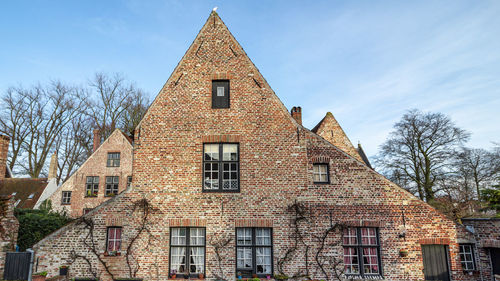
pixel 367 62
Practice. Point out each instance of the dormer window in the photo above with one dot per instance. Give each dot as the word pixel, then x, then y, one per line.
pixel 220 94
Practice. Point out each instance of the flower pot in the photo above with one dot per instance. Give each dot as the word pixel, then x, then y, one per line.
pixel 200 276
pixel 63 271
pixel 173 276
pixel 38 278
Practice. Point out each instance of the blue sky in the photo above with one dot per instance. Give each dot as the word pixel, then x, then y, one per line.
pixel 365 61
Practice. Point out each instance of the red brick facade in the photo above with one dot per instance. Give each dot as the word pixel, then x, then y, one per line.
pixel 96 166
pixel 276 158
pixel 9 227
pixel 486 240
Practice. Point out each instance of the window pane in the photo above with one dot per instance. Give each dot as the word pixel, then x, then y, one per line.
pixel 351 263
pixel 211 152
pixel 178 236
pixel 263 260
pixel 197 236
pixel 244 236
pixel 96 179
pixel 196 259
pixel 230 152
pixel 220 91
pixel 350 236
pixel 89 179
pixel 263 236
pixel 178 259
pixel 370 260
pixel 244 257
pixel 368 236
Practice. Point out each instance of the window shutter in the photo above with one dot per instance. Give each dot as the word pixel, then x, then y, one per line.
pixel 220 94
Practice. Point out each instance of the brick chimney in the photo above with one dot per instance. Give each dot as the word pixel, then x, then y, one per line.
pixel 297 114
pixel 97 139
pixel 4 149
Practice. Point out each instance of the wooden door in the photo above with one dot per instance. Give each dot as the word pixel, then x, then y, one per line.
pixel 435 262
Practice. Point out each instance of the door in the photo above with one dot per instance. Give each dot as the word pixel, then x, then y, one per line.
pixel 17 266
pixel 495 260
pixel 435 262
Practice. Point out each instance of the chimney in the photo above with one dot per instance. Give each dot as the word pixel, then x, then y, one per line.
pixel 4 149
pixel 97 139
pixel 53 167
pixel 297 114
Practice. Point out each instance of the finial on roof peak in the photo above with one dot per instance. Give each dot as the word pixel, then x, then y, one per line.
pixel 214 9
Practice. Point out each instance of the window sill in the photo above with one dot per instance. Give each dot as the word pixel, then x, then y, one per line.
pixel 363 277
pixel 106 254
pixel 112 195
pixel 220 191
pixel 90 196
pixel 66 204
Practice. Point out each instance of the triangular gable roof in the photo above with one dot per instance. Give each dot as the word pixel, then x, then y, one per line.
pixel 329 129
pixel 212 21
pixel 363 156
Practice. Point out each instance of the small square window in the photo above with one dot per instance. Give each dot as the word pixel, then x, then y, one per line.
pixel 320 173
pixel 113 159
pixel 467 257
pixel 220 94
pixel 66 198
pixel 111 186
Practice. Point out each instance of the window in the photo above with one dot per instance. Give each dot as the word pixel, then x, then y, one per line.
pixel 361 251
pixel 220 94
pixel 31 196
pixel 187 250
pixel 111 186
pixel 114 241
pixel 221 167
pixel 92 187
pixel 320 173
pixel 113 159
pixel 254 253
pixel 66 198
pixel 467 257
pixel 129 181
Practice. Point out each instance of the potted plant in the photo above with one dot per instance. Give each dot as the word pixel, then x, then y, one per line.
pixel 268 277
pixel 403 253
pixel 39 276
pixel 186 275
pixel 239 275
pixel 173 274
pixel 63 270
pixel 200 276
pixel 254 275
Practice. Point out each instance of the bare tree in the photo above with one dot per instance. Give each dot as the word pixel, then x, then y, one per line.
pixel 111 99
pixel 475 167
pixel 419 149
pixel 13 120
pixel 73 146
pixel 50 110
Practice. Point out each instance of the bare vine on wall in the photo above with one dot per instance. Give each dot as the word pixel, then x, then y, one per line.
pixel 219 243
pixel 140 207
pixel 314 238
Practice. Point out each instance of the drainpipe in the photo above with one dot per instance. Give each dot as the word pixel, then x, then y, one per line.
pixel 31 262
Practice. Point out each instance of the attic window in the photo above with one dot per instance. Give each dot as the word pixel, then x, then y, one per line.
pixel 14 193
pixel 17 202
pixel 31 196
pixel 220 94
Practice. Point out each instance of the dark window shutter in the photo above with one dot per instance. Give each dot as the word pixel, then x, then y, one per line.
pixel 220 94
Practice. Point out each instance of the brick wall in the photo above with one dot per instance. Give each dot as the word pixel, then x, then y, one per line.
pixel 96 166
pixel 276 171
pixel 4 149
pixel 8 228
pixel 486 236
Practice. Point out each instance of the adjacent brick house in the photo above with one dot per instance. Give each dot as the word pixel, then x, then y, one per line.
pixel 485 247
pixel 227 183
pixel 106 173
pixel 9 226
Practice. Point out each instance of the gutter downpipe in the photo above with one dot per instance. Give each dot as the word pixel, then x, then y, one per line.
pixel 31 262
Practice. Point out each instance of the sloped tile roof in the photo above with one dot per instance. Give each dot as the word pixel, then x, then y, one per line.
pixel 23 188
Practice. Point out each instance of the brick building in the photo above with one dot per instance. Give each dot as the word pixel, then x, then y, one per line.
pixel 485 247
pixel 9 227
pixel 226 183
pixel 106 173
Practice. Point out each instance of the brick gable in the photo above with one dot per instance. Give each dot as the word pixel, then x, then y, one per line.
pixel 276 157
